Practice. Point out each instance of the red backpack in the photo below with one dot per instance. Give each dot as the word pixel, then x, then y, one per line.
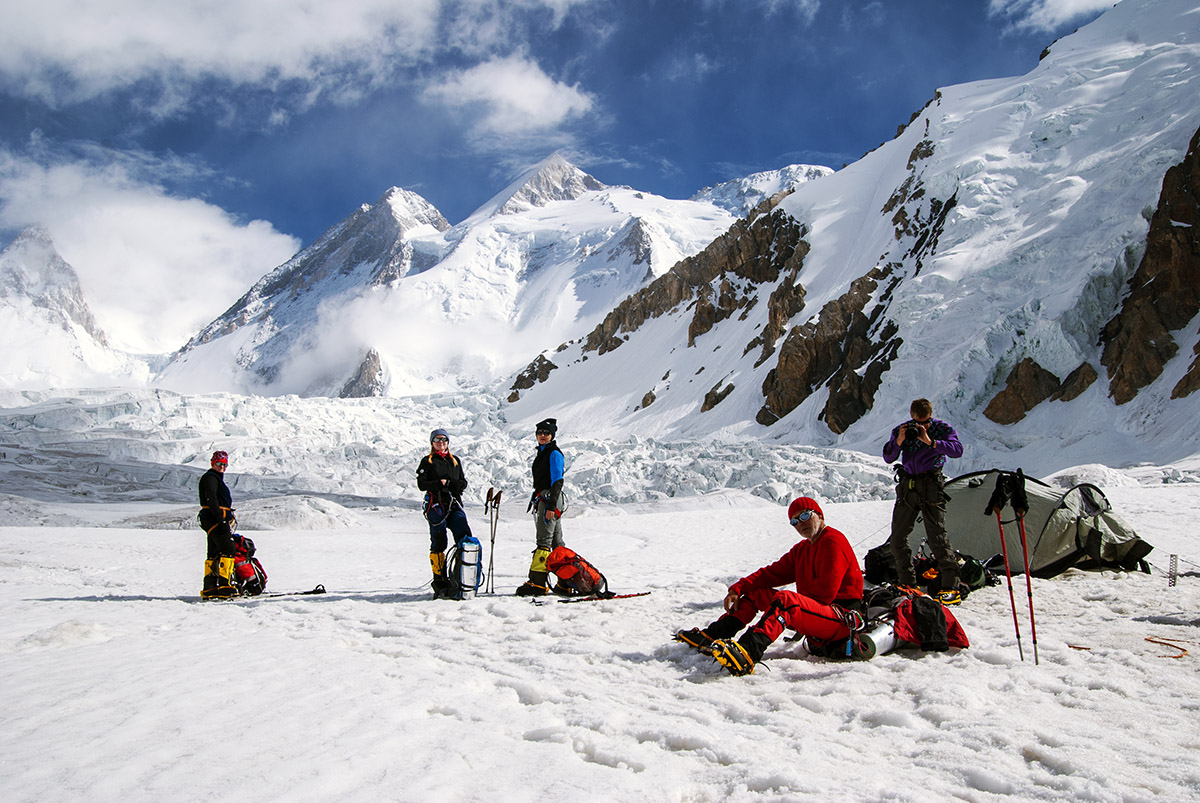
pixel 576 576
pixel 248 574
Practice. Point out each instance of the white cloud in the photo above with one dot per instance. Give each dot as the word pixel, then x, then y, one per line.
pixel 1046 15
pixel 154 268
pixel 62 51
pixel 805 8
pixel 513 97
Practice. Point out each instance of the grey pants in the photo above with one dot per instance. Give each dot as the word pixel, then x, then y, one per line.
pixel 922 495
pixel 549 534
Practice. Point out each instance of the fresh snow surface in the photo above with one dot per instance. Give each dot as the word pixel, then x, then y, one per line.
pixel 120 685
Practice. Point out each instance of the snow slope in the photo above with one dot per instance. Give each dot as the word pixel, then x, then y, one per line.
pixel 1006 220
pixel 120 684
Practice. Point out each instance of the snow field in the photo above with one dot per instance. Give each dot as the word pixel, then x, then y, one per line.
pixel 121 685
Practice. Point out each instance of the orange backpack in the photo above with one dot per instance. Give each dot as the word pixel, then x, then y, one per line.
pixel 576 576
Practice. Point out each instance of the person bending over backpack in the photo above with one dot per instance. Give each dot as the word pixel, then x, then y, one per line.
pixel 824 607
pixel 440 476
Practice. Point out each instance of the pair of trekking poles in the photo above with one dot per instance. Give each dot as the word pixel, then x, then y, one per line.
pixel 491 506
pixel 1010 489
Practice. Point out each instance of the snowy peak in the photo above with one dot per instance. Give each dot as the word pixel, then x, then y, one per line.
pixel 50 337
pixel 553 179
pixel 411 212
pixel 420 307
pixel 739 196
pixel 32 271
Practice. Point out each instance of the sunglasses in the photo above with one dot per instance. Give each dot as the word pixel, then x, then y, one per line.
pixel 441 440
pixel 544 432
pixel 802 516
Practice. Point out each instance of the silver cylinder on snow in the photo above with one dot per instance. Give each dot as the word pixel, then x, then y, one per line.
pixel 880 640
pixel 470 568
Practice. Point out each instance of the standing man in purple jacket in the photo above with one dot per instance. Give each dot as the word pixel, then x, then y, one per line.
pixel 922 445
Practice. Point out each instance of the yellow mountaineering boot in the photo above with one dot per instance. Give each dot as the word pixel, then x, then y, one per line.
pixel 732 656
pixel 437 562
pixel 225 587
pixel 536 585
pixel 209 589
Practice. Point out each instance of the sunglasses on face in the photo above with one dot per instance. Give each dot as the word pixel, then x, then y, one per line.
pixel 802 516
pixel 544 432
pixel 441 440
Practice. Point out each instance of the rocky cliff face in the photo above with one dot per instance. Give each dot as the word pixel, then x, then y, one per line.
pixel 723 278
pixel 1029 384
pixel 1164 293
pixel 369 380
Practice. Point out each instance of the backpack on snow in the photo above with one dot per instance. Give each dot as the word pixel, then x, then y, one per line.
pixel 464 569
pixel 879 566
pixel 915 620
pixel 576 576
pixel 249 577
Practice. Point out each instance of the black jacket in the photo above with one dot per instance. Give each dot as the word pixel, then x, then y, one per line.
pixel 216 503
pixel 542 481
pixel 434 468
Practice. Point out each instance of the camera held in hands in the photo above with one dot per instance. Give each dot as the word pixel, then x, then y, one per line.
pixel 911 428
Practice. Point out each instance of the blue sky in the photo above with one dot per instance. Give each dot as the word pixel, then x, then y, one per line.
pixel 207 140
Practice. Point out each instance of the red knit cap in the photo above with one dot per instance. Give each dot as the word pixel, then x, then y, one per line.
pixel 801 504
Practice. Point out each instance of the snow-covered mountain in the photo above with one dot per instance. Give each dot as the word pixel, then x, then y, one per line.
pixel 50 337
pixel 741 195
pixel 993 257
pixel 394 300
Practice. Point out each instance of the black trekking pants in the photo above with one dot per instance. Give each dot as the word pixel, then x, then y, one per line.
pixel 922 495
pixel 220 542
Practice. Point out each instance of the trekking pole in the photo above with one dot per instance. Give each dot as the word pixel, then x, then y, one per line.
pixel 492 506
pixel 487 508
pixel 996 503
pixel 1020 505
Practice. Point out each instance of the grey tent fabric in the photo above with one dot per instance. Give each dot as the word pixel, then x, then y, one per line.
pixel 1064 529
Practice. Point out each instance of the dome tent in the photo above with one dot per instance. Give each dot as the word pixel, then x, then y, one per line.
pixel 1075 528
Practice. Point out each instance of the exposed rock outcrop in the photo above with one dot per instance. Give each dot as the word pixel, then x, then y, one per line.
pixel 369 380
pixel 1076 383
pixel 1027 386
pixel 833 348
pixel 1164 291
pixel 754 251
pixel 715 396
pixel 535 372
